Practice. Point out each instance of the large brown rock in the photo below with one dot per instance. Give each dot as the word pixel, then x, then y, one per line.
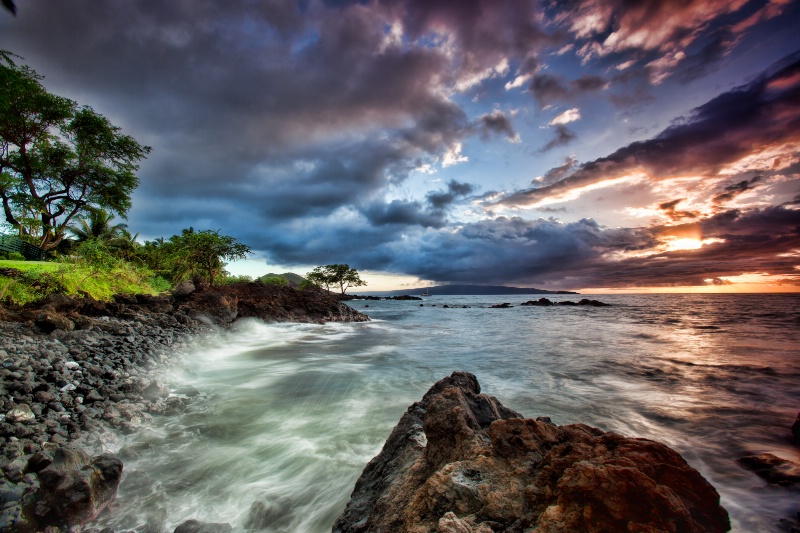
pixel 75 487
pixel 461 462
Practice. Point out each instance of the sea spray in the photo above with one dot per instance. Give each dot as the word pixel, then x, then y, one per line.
pixel 289 414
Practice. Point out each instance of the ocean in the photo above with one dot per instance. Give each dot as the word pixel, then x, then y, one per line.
pixel 289 414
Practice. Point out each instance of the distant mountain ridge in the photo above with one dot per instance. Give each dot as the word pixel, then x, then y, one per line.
pixel 467 290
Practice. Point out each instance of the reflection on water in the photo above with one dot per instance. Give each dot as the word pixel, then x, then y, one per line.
pixel 289 414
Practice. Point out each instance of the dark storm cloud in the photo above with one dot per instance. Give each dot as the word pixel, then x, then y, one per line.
pixel 405 213
pixel 763 114
pixel 557 173
pixel 442 199
pixel 496 123
pixel 563 135
pixel 754 241
pixel 549 88
pixel 670 209
pixel 732 191
pixel 485 32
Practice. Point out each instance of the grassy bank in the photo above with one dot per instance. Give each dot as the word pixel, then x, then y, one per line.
pixel 38 279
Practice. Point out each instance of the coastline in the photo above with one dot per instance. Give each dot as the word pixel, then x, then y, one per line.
pixel 78 373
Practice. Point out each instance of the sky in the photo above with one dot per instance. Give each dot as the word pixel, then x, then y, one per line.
pixel 592 145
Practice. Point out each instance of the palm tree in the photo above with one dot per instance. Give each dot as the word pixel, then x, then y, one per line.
pixel 98 226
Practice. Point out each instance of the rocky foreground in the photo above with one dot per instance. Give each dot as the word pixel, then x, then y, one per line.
pixel 75 373
pixel 461 462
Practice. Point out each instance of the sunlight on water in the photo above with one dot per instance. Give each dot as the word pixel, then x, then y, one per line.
pixel 289 414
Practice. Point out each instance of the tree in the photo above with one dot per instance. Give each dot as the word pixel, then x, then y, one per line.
pixel 97 225
pixel 336 275
pixel 58 159
pixel 202 252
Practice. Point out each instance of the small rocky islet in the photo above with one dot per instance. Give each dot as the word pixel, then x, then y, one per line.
pixel 77 373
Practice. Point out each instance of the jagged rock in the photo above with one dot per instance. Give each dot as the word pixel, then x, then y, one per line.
pixel 184 288
pixel 459 461
pixel 772 468
pixel 195 526
pixel 74 488
pixel 50 320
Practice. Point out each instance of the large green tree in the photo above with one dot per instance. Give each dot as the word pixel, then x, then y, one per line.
pixel 58 160
pixel 337 275
pixel 202 253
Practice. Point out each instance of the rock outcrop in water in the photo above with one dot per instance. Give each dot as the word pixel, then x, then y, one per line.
pixel 460 462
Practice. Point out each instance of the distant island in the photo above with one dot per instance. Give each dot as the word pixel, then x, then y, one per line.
pixel 467 290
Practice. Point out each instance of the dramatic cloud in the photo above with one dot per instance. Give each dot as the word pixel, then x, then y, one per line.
pixel 767 115
pixel 732 191
pixel 358 132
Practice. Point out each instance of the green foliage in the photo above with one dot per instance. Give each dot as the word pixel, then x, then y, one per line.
pixel 228 279
pixel 201 253
pixel 58 159
pixel 279 281
pixel 95 255
pixel 100 282
pixel 336 275
pixel 12 256
pixel 291 277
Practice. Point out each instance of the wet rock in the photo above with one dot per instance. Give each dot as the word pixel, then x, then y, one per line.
pixel 772 469
pixel 796 429
pixel 74 488
pixel 459 461
pixel 541 302
pixel 156 389
pixel 504 305
pixel 264 515
pixel 21 413
pixel 195 526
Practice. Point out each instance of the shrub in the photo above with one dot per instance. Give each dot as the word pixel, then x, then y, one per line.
pixel 280 281
pixel 11 256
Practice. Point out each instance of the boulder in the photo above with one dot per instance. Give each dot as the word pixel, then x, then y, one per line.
pixel 195 526
pixel 49 320
pixel 75 487
pixel 184 288
pixel 772 469
pixel 460 461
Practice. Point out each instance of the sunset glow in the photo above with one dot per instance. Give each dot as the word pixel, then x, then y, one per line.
pixel 562 145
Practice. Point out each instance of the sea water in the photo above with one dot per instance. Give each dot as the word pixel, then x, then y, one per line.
pixel 289 414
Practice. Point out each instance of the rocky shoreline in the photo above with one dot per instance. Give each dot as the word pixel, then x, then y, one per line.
pixel 459 461
pixel 78 373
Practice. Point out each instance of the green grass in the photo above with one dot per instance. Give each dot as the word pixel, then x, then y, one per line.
pixel 43 278
pixel 47 266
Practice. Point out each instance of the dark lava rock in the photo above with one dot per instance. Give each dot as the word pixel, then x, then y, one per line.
pixel 195 526
pixel 459 462
pixel 772 469
pixel 265 515
pixel 75 487
pixel 504 305
pixel 184 288
pixel 541 302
